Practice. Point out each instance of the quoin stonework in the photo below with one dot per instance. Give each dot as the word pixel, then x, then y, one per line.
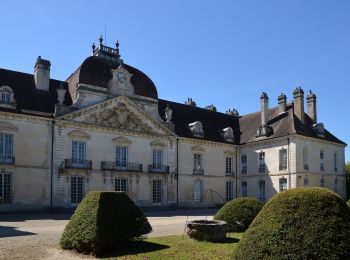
pixel 105 128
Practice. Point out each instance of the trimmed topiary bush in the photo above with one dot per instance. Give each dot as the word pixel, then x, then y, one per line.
pixel 102 221
pixel 242 210
pixel 348 203
pixel 308 223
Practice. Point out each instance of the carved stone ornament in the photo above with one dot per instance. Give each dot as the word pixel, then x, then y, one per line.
pixel 79 135
pixel 118 117
pixel 120 83
pixel 4 126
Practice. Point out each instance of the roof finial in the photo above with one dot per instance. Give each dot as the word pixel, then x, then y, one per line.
pixel 93 48
pixel 117 49
pixel 100 39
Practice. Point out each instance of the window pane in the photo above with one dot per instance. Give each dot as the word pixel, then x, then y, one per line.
pixel 229 190
pixel 121 184
pixel 244 191
pixel 262 190
pixel 121 156
pixel 5 188
pixel 157 191
pixel 157 159
pixel 76 189
pixel 197 190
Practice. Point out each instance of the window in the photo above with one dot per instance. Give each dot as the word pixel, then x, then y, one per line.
pixel 244 164
pixel 6 147
pixel 262 166
pixel 121 156
pixel 283 184
pixel 283 159
pixel 229 190
pixel 196 129
pixel 78 153
pixel 157 159
pixel 262 190
pixel 5 97
pixel 76 189
pixel 322 182
pixel 244 191
pixel 197 161
pixel 306 182
pixel 321 161
pixel 335 162
pixel 121 185
pixel 157 191
pixel 306 159
pixel 336 185
pixel 5 188
pixel 197 190
pixel 229 166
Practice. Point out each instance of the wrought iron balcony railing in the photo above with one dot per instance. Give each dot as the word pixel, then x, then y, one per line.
pixel 7 160
pixel 158 168
pixel 229 173
pixel 77 164
pixel 198 171
pixel 126 167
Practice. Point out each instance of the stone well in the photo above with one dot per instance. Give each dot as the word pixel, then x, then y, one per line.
pixel 207 230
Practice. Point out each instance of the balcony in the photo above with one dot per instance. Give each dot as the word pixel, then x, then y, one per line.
pixel 283 167
pixel 77 164
pixel 229 173
pixel 128 167
pixel 198 171
pixel 158 168
pixel 7 160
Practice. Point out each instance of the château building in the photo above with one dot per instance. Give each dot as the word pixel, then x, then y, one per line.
pixel 105 128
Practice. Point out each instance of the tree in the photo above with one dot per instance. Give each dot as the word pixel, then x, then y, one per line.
pixel 347 172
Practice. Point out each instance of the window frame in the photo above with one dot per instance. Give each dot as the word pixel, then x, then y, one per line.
pixel 283 184
pixel 261 162
pixel 262 192
pixel 76 195
pixel 229 165
pixel 157 191
pixel 157 158
pixel 121 156
pixel 121 185
pixel 244 164
pixel 78 152
pixel 6 147
pixel 322 166
pixel 229 190
pixel 244 189
pixel 283 159
pixel 4 190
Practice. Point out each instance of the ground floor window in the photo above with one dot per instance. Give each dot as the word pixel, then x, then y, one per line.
pixel 336 185
pixel 283 184
pixel 306 182
pixel 77 192
pixel 262 190
pixel 121 185
pixel 157 191
pixel 5 188
pixel 197 190
pixel 229 190
pixel 322 182
pixel 244 189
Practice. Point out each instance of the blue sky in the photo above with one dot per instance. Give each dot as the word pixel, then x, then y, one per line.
pixel 217 52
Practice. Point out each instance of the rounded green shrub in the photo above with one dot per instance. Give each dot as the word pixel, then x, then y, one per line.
pixel 307 223
pixel 348 203
pixel 239 213
pixel 102 221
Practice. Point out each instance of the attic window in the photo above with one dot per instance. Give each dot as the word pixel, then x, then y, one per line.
pixel 6 95
pixel 196 129
pixel 227 133
pixel 319 129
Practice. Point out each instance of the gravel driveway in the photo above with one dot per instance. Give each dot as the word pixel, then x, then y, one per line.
pixel 35 236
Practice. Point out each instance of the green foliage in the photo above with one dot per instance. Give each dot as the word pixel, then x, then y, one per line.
pixel 102 221
pixel 348 203
pixel 242 210
pixel 347 173
pixel 308 223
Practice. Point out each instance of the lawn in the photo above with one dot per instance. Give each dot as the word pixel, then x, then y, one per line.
pixel 176 247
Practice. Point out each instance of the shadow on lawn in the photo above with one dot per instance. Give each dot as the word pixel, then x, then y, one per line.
pixel 135 247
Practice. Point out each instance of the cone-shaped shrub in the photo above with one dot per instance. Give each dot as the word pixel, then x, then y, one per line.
pixel 239 213
pixel 102 221
pixel 309 223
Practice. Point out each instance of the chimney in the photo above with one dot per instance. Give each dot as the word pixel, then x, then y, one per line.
pixel 311 106
pixel 298 95
pixel 211 108
pixel 42 74
pixel 264 101
pixel 282 103
pixel 190 102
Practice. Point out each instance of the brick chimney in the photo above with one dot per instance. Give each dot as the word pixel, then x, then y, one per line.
pixel 42 74
pixel 311 106
pixel 264 102
pixel 282 103
pixel 298 95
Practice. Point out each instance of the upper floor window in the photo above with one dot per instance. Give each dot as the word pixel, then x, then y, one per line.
pixel 78 153
pixel 121 156
pixel 228 134
pixel 306 159
pixel 196 129
pixel 283 159
pixel 229 165
pixel 244 189
pixel 321 161
pixel 262 165
pixel 262 190
pixel 6 147
pixel 157 159
pixel 197 164
pixel 283 184
pixel 244 164
pixel 335 162
pixel 6 94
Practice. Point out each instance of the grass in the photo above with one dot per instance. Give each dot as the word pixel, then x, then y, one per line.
pixel 174 247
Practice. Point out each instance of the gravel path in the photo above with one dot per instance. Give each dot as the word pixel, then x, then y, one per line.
pixel 35 236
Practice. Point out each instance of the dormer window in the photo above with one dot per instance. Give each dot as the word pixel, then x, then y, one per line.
pixel 196 129
pixel 6 95
pixel 319 129
pixel 228 134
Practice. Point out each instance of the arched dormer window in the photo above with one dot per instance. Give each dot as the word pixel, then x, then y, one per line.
pixel 196 129
pixel 6 95
pixel 228 134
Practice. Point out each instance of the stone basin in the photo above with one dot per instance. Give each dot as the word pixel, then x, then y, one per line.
pixel 207 230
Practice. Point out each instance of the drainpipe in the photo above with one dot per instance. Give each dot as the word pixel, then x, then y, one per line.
pixel 290 178
pixel 51 177
pixel 177 172
pixel 236 172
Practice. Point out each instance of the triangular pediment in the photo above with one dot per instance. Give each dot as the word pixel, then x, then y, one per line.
pixel 119 113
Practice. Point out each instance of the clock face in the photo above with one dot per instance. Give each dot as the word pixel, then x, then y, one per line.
pixel 121 76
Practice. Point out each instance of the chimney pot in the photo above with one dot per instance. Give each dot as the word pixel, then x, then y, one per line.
pixel 298 95
pixel 282 103
pixel 42 74
pixel 264 103
pixel 311 106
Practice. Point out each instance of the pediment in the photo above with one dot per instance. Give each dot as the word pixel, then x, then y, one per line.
pixel 121 114
pixel 197 148
pixel 4 126
pixel 79 135
pixel 121 140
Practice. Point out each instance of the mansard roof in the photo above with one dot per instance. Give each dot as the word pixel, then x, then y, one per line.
pixel 27 96
pixel 97 71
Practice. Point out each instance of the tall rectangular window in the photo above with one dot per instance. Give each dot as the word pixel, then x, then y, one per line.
pixel 244 189
pixel 306 182
pixel 335 162
pixel 197 161
pixel 244 164
pixel 77 189
pixel 5 97
pixel 262 166
pixel 336 185
pixel 283 184
pixel 322 182
pixel 229 166
pixel 6 147
pixel 321 161
pixel 283 159
pixel 262 190
pixel 306 159
pixel 197 190
pixel 157 191
pixel 121 184
pixel 157 159
pixel 78 153
pixel 121 156
pixel 229 190
pixel 5 188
